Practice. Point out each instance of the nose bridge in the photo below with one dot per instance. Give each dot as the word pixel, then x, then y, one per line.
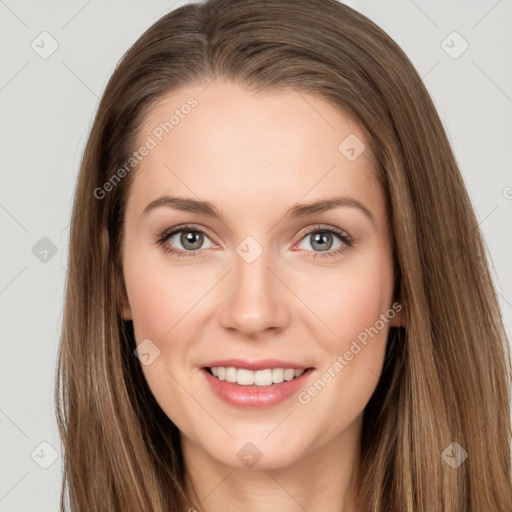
pixel 255 297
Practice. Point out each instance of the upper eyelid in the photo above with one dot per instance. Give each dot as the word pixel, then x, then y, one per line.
pixel 178 229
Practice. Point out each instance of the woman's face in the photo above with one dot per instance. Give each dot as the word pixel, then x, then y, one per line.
pixel 268 284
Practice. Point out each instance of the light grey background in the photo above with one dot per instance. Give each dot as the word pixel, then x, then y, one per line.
pixel 47 107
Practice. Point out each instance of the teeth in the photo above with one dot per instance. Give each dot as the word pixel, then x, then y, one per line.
pixel 244 377
pixel 259 377
pixel 277 375
pixel 289 374
pixel 230 374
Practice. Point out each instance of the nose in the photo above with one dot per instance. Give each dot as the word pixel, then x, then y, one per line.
pixel 256 298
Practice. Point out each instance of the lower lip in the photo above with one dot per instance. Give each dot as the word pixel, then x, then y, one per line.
pixel 255 397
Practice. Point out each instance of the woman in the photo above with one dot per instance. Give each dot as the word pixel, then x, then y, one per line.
pixel 212 358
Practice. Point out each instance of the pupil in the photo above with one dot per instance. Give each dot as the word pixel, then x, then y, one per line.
pixel 191 238
pixel 317 239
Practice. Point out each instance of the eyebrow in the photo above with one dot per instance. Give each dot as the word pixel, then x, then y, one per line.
pixel 296 211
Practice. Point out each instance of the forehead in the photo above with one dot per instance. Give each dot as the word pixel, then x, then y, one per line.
pixel 226 143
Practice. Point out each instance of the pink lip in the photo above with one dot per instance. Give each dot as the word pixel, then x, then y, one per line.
pixel 255 397
pixel 262 364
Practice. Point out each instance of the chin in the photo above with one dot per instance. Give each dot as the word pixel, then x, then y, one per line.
pixel 257 451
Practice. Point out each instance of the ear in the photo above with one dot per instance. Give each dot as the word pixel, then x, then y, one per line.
pixel 120 287
pixel 395 321
pixel 124 303
pixel 126 312
pixel 398 319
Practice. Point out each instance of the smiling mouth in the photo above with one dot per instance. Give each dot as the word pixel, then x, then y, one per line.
pixel 258 378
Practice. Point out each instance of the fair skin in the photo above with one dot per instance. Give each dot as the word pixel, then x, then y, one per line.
pixel 254 156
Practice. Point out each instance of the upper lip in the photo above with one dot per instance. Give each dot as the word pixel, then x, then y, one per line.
pixel 261 364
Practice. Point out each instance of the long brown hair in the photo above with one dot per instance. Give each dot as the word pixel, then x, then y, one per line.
pixel 447 373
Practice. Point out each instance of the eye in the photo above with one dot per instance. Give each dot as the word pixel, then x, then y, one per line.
pixel 322 239
pixel 190 238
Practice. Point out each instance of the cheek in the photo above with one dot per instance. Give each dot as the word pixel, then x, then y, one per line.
pixel 159 294
pixel 350 301
pixel 355 305
pixel 358 306
pixel 149 302
pixel 159 300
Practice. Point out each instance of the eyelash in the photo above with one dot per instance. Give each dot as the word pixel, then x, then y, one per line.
pixel 348 241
